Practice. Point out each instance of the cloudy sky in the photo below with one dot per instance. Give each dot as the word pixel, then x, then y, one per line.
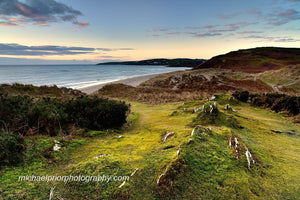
pixel 91 31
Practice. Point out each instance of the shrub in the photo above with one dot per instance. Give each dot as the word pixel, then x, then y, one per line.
pixel 12 148
pixel 27 116
pixel 241 96
pixel 96 113
pixel 277 102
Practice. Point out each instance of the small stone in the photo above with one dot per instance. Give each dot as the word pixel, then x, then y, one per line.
pixel 56 147
pixel 122 184
pixel 168 134
pixel 191 141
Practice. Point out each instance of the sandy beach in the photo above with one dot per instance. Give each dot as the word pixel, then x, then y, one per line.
pixel 134 81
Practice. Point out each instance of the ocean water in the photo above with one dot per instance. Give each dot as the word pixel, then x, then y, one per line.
pixel 75 76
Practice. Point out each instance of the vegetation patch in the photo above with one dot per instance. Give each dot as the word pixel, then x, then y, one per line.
pixel 212 115
pixel 12 148
pixel 26 115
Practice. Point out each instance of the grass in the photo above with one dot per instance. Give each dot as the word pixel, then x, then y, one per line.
pixel 287 77
pixel 206 168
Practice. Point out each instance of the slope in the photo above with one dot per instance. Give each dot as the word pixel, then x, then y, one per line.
pixel 181 166
pixel 255 60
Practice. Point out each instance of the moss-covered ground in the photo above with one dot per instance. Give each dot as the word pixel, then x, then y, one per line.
pixel 205 167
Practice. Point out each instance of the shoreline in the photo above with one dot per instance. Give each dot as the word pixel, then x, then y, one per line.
pixel 133 81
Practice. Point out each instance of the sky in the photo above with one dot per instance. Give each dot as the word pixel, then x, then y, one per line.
pixel 93 31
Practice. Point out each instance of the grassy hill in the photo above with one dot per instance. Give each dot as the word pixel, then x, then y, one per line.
pixel 267 69
pixel 255 60
pixel 183 166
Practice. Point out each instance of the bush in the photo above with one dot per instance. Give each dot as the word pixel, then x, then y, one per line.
pixel 28 116
pixel 241 96
pixel 96 113
pixel 12 148
pixel 277 102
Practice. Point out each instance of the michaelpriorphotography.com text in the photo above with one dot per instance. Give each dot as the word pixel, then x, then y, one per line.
pixel 78 178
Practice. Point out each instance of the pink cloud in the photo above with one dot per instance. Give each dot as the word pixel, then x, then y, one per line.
pixel 81 24
pixel 8 24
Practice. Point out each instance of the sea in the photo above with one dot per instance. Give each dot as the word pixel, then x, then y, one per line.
pixel 76 76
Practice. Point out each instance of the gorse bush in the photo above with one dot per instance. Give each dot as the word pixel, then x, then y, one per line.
pixel 241 96
pixel 277 102
pixel 29 116
pixel 96 113
pixel 12 147
pixel 274 101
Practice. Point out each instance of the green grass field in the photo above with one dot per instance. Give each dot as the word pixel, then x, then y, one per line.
pixel 206 167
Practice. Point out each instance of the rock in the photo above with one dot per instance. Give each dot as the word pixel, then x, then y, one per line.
pixel 186 109
pixel 229 108
pixel 51 193
pixel 102 155
pixel 199 108
pixel 191 141
pixel 236 145
pixel 122 184
pixel 236 142
pixel 213 97
pixel 213 108
pixel 249 157
pixel 56 142
pixel 158 180
pixel 56 147
pixel 192 133
pixel 133 173
pixel 168 134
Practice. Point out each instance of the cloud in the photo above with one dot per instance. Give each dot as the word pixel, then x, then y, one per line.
pixel 114 49
pixel 208 34
pixel 271 39
pixel 248 32
pixel 201 27
pixel 202 31
pixel 227 28
pixel 38 12
pixel 209 26
pixel 158 32
pixel 293 1
pixel 22 50
pixel 26 61
pixel 285 17
pixel 173 33
pixel 254 11
pixel 161 29
pixel 81 25
pixel 8 24
pixel 228 16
